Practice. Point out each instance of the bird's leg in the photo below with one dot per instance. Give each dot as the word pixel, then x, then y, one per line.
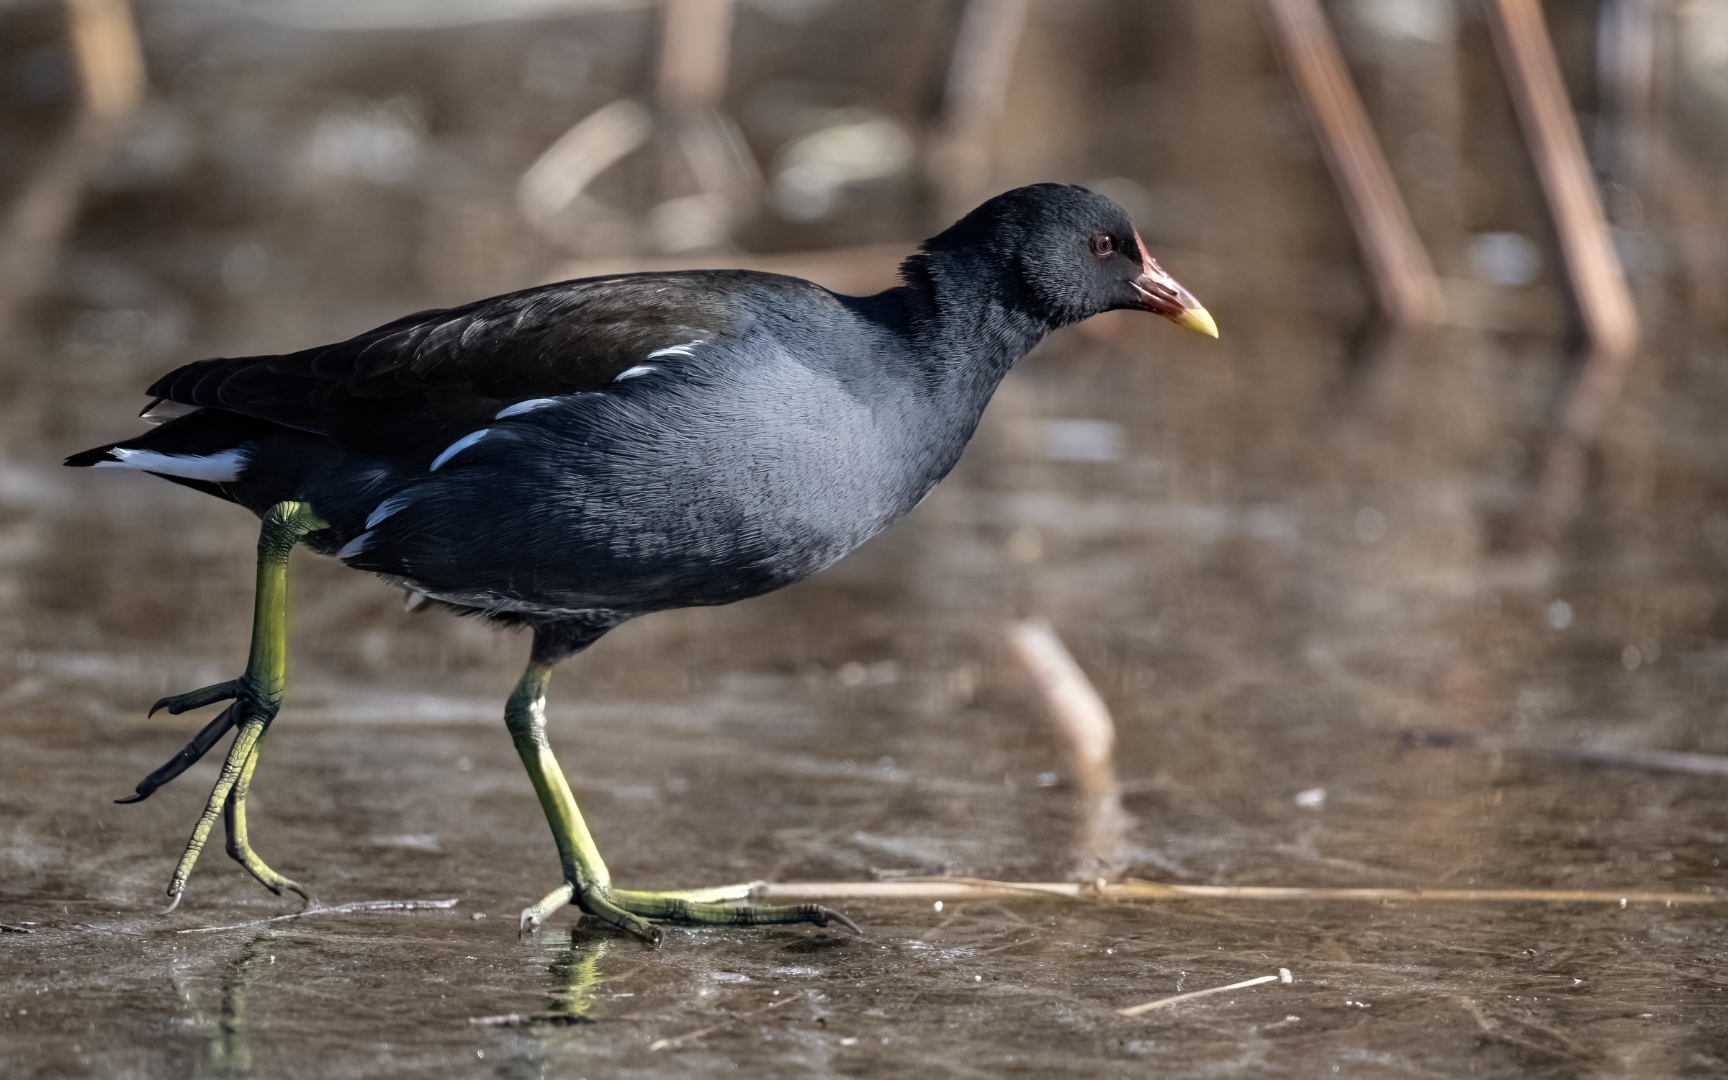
pixel 257 697
pixel 234 817
pixel 586 880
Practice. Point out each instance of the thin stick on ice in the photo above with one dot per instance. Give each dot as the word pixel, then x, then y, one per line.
pixel 339 909
pixel 1160 1003
pixel 1649 760
pixel 953 889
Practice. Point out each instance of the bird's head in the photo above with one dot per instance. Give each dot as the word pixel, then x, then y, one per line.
pixel 1067 253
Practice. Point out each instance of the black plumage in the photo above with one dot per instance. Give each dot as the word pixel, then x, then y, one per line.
pixel 779 424
pixel 578 454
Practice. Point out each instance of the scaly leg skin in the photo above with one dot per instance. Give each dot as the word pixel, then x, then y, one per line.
pixel 586 880
pixel 257 697
pixel 234 816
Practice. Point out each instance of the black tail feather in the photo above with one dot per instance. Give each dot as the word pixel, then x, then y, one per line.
pixel 197 434
pixel 87 458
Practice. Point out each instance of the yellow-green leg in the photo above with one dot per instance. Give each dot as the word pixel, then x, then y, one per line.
pixel 587 883
pixel 234 817
pixel 257 696
pixel 585 875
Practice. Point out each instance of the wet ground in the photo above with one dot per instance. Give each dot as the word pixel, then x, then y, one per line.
pixel 1279 558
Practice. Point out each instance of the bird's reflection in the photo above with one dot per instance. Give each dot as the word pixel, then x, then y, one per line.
pixel 230 1047
pixel 576 979
pixel 574 991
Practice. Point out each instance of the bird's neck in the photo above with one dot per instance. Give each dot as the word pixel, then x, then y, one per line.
pixel 965 331
pixel 956 343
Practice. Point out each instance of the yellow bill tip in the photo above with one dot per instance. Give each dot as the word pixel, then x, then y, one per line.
pixel 1199 320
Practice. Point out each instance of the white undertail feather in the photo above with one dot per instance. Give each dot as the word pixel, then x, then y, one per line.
pixel 457 447
pixel 639 369
pixel 219 468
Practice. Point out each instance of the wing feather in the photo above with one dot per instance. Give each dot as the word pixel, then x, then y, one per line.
pixel 415 384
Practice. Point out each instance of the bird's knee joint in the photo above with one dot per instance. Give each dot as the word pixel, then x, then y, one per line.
pixel 527 736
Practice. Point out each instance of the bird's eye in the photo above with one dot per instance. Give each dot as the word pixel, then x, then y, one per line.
pixel 1103 246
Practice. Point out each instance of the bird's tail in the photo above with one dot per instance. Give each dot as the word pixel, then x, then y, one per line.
pixel 202 449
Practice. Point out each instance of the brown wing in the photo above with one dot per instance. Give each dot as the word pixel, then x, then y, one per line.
pixel 413 385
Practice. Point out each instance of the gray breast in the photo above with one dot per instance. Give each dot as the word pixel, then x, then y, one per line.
pixel 700 486
pixel 792 468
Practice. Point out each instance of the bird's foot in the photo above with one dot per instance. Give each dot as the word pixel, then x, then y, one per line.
pixel 635 911
pixel 251 714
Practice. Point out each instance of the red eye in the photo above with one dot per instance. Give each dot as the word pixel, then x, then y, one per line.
pixel 1103 246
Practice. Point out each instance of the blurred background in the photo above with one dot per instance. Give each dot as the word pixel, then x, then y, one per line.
pixel 1375 586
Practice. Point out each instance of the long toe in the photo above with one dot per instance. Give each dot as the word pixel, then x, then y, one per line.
pixel 200 745
pixel 197 699
pixel 533 917
pixel 674 907
pixel 600 906
pixel 276 883
pixel 307 900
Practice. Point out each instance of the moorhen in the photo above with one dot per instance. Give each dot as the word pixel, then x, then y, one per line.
pixel 575 455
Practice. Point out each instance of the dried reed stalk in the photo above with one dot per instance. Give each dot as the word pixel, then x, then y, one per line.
pixel 1088 736
pixel 951 889
pixel 695 46
pixel 977 89
pixel 1598 283
pixel 1405 285
pixel 111 79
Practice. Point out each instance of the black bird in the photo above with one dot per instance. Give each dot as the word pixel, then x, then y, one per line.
pixel 569 457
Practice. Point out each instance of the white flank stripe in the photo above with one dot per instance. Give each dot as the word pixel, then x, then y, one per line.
pixel 457 447
pixel 639 369
pixel 354 546
pixel 219 468
pixel 386 508
pixel 677 350
pixel 525 406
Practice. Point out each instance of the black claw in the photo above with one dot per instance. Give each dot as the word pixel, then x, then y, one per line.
pixel 820 916
pixel 179 763
pixel 307 900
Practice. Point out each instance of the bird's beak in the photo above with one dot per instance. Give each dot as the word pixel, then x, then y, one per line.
pixel 1162 295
